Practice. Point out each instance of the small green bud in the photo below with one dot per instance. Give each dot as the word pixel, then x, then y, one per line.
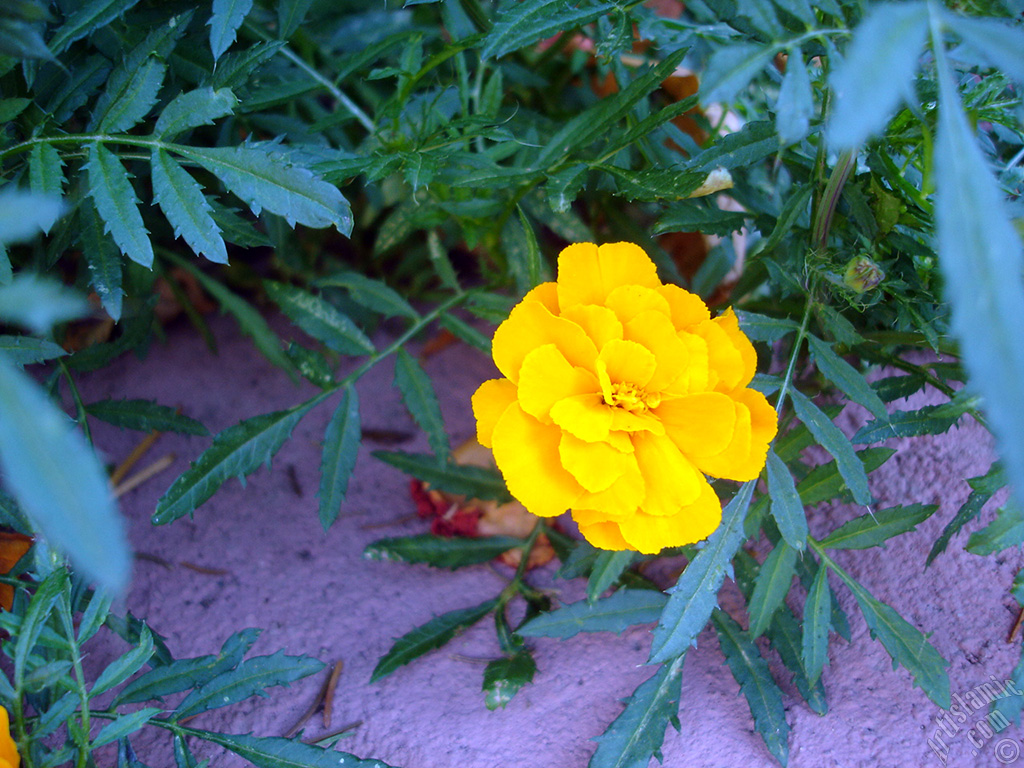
pixel 862 274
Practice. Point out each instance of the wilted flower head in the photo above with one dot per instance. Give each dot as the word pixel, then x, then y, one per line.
pixel 619 395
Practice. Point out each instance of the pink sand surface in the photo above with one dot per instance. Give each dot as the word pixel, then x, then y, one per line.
pixel 313 593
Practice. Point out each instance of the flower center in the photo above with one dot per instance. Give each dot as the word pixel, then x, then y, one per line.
pixel 630 397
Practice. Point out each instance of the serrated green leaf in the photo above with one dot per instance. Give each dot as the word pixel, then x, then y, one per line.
pixel 249 678
pixel 969 510
pixel 1007 530
pixel 184 674
pixel 48 675
pixel 787 508
pixel 25 350
pixel 23 214
pixel 638 732
pixel 825 482
pixel 731 69
pixel 849 380
pixel 45 171
pixel 86 20
pixel 995 39
pixel 831 438
pixel 429 636
pixel 321 320
pixel 795 105
pixel 181 199
pixel 59 482
pixel 311 364
pixel 696 593
pixel 39 303
pixel 764 328
pixel 871 530
pixel 785 636
pixel 22 40
pixel 117 205
pixel 194 108
pixel 607 569
pixel 505 676
pixel 57 715
pixel 878 71
pixel 125 725
pixel 94 615
pixel 236 452
pixel 104 259
pixel 373 294
pixel 751 144
pixel 144 416
pixel 464 480
pixel 756 683
pixel 817 614
pixel 129 95
pixel 439 551
pixel 290 14
pixel 264 179
pixel 236 229
pixel 465 332
pixel 126 666
pixel 695 217
pixel 614 613
pixel 657 184
pixel 771 587
pixel 928 420
pixel 275 752
pixel 341 446
pixel 419 397
pixel 34 620
pixel 530 21
pixel 227 17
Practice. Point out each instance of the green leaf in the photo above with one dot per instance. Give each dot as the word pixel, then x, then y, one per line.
pixel 104 259
pixel 1007 530
pixel 94 616
pixel 928 420
pixel 190 109
pixel 59 482
pixel 227 17
pixel 23 214
pixel 34 620
pixel 765 328
pixel 130 93
pixel 524 23
pixel 429 636
pixel 825 482
pixel 795 105
pixel 25 350
pixel 1009 705
pixel 655 185
pixel 463 480
pixel 341 447
pixel 786 506
pixel 440 261
pixel 45 171
pixel 465 332
pixel 614 613
pixel 181 199
pixel 57 715
pixel 785 636
pixel 439 551
pixel 125 725
pixel 696 593
pixel 144 416
pixel 846 377
pixel 638 732
pixel 249 678
pixel 86 20
pixel 48 675
pixel 319 319
pixel 878 71
pixel 39 303
pixel 290 14
pixel 311 364
pixel 184 674
pixel 372 294
pixel 756 683
pixel 275 752
pixel 117 205
pixel 22 40
pixel 236 452
pixel 264 179
pixel 607 569
pixel 124 667
pixel 771 587
pixel 904 643
pixel 871 530
pixel 835 442
pixel 731 69
pixel 531 257
pixel 995 39
pixel 982 489
pixel 817 616
pixel 695 217
pixel 505 676
pixel 419 397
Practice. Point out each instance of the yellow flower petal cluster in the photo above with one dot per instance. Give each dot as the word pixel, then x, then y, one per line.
pixel 9 757
pixel 619 394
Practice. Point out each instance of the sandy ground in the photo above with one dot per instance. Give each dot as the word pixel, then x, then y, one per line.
pixel 314 594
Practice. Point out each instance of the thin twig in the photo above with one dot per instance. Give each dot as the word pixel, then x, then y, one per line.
pixel 203 569
pixel 137 453
pixel 143 475
pixel 332 684
pixel 321 739
pixel 310 711
pixel 1016 626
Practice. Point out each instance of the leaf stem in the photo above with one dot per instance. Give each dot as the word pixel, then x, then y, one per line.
pixel 801 334
pixel 68 624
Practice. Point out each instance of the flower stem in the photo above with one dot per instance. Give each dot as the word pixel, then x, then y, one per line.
pixel 798 343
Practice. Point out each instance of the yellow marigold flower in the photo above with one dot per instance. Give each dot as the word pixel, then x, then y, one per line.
pixel 619 394
pixel 9 757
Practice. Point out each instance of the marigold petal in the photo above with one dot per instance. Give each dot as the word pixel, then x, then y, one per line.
pixel 526 452
pixel 687 309
pixel 735 456
pixel 696 374
pixel 9 756
pixel 628 301
pixel 588 273
pixel 657 334
pixel 627 362
pixel 633 421
pixel 490 401
pixel 763 426
pixel 729 323
pixel 672 480
pixel 700 424
pixel 546 294
pixel 621 499
pixel 585 416
pixel 724 359
pixel 650 534
pixel 620 441
pixel 603 534
pixel 599 323
pixel 546 377
pixel 531 325
pixel 594 465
